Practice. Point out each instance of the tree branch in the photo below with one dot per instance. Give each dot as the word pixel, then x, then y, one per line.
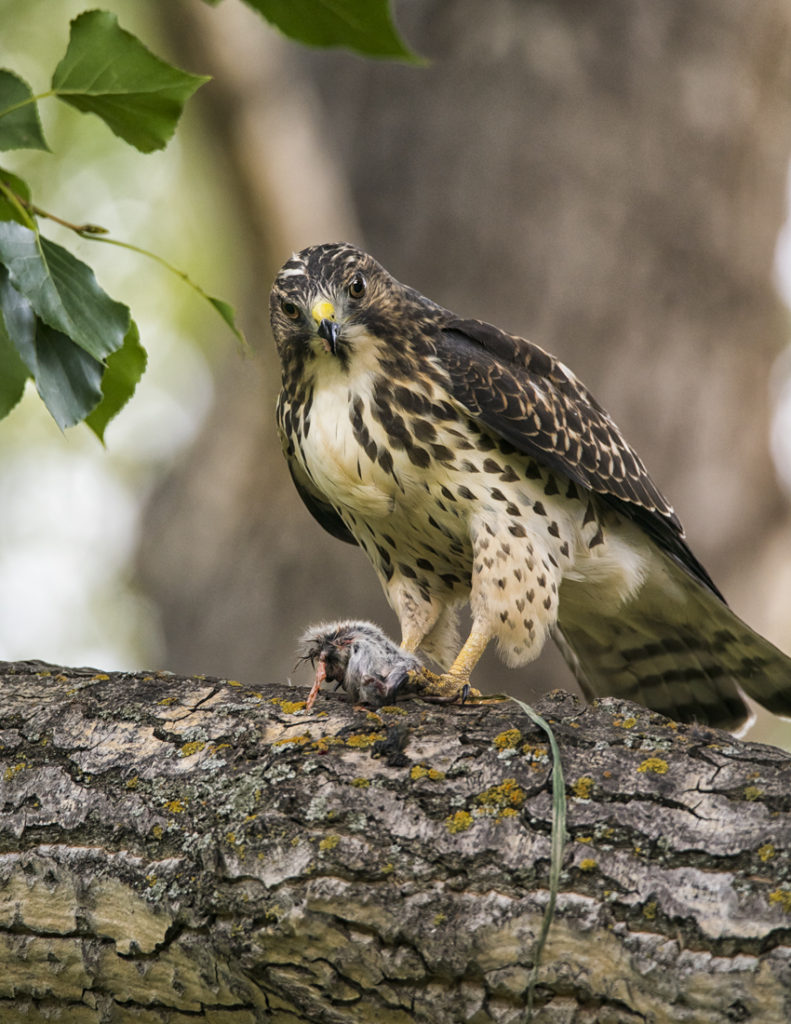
pixel 176 847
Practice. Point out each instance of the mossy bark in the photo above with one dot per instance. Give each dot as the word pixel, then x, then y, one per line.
pixel 177 849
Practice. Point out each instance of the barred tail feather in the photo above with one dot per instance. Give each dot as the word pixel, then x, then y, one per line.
pixel 680 651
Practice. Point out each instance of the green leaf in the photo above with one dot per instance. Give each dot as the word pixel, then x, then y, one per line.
pixel 109 72
pixel 226 311
pixel 19 320
pixel 20 127
pixel 63 291
pixel 362 25
pixel 8 209
pixel 13 373
pixel 122 373
pixel 67 378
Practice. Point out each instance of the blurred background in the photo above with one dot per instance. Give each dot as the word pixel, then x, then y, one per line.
pixel 609 180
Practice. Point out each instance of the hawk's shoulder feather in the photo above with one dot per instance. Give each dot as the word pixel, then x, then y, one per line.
pixel 530 399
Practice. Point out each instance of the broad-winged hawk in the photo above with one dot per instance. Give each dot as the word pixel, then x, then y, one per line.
pixel 470 464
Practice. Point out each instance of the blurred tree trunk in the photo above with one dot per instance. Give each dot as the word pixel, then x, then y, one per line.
pixel 607 179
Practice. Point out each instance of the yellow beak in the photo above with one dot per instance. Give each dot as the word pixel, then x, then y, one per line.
pixel 328 327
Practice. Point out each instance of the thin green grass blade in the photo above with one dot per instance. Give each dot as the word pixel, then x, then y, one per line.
pixel 557 844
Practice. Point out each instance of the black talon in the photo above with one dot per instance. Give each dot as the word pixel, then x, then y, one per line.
pixel 465 692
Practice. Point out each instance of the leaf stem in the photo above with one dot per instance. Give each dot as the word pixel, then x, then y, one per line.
pixel 18 204
pixel 96 233
pixel 27 101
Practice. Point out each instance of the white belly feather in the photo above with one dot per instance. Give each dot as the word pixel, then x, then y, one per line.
pixel 506 538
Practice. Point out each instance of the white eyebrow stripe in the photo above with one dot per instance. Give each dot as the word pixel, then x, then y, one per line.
pixel 295 272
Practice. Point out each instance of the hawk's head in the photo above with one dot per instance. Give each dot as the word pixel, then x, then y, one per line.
pixel 328 300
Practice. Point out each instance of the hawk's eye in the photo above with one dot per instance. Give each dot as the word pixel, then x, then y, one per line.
pixel 291 311
pixel 357 286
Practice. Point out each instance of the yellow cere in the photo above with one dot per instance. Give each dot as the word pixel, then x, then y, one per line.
pixel 323 311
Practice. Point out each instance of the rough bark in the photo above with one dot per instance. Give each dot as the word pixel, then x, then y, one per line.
pixel 178 848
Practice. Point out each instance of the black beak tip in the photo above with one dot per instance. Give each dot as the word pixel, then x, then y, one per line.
pixel 328 331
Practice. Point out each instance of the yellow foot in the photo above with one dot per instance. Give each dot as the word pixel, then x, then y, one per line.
pixel 444 689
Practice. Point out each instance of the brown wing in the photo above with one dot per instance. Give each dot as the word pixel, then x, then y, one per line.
pixel 527 397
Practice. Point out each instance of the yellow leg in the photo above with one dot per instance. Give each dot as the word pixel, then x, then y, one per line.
pixel 452 684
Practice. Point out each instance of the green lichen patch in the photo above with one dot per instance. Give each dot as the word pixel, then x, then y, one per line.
pixel 420 771
pixel 508 740
pixel 323 743
pixel 766 852
pixel 653 764
pixel 329 843
pixel 752 793
pixel 583 787
pixel 288 707
pixel 458 822
pixel 362 740
pixel 781 898
pixel 191 748
pixel 298 741
pixel 497 799
pixel 588 864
